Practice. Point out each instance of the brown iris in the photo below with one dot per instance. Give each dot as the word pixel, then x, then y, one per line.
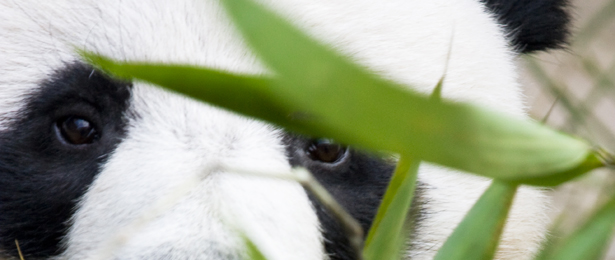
pixel 324 150
pixel 77 131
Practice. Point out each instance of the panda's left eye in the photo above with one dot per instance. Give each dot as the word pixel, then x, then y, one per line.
pixel 76 130
pixel 324 150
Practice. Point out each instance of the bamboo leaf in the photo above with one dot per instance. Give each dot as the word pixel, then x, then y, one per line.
pixel 478 234
pixel 253 252
pixel 385 236
pixel 590 241
pixel 244 94
pixel 307 68
pixel 355 107
pixel 436 95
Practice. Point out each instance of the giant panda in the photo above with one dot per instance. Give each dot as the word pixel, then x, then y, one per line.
pixel 93 167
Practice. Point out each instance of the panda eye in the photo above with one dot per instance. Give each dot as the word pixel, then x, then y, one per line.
pixel 325 151
pixel 76 130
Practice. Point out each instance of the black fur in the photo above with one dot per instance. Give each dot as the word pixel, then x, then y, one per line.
pixel 358 183
pixel 41 177
pixel 533 25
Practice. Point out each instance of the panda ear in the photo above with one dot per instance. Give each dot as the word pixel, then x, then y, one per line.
pixel 533 25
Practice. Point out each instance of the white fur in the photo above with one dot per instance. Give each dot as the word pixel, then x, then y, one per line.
pixel 174 138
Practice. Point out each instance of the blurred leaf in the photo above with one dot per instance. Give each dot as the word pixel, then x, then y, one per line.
pixel 445 133
pixel 590 241
pixel 581 116
pixel 386 235
pixel 604 81
pixel 244 94
pixel 436 95
pixel 554 237
pixel 597 22
pixel 578 114
pixel 253 252
pixel 478 234
pixel 319 93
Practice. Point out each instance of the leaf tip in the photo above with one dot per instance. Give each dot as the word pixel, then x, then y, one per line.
pixel 606 158
pixel 103 63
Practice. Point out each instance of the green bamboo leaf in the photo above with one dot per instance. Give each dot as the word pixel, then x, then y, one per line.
pixel 355 107
pixel 478 234
pixel 590 242
pixel 436 95
pixel 386 235
pixel 253 252
pixel 452 135
pixel 244 94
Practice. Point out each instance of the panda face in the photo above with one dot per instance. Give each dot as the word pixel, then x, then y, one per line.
pixel 92 167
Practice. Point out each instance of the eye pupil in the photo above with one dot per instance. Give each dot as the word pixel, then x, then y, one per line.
pixel 325 151
pixel 76 130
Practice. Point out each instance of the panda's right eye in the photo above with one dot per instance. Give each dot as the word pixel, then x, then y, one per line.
pixel 76 130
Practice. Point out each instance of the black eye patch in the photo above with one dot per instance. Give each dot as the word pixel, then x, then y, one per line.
pixel 51 153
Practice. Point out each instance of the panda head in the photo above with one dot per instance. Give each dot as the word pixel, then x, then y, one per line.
pixel 91 165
